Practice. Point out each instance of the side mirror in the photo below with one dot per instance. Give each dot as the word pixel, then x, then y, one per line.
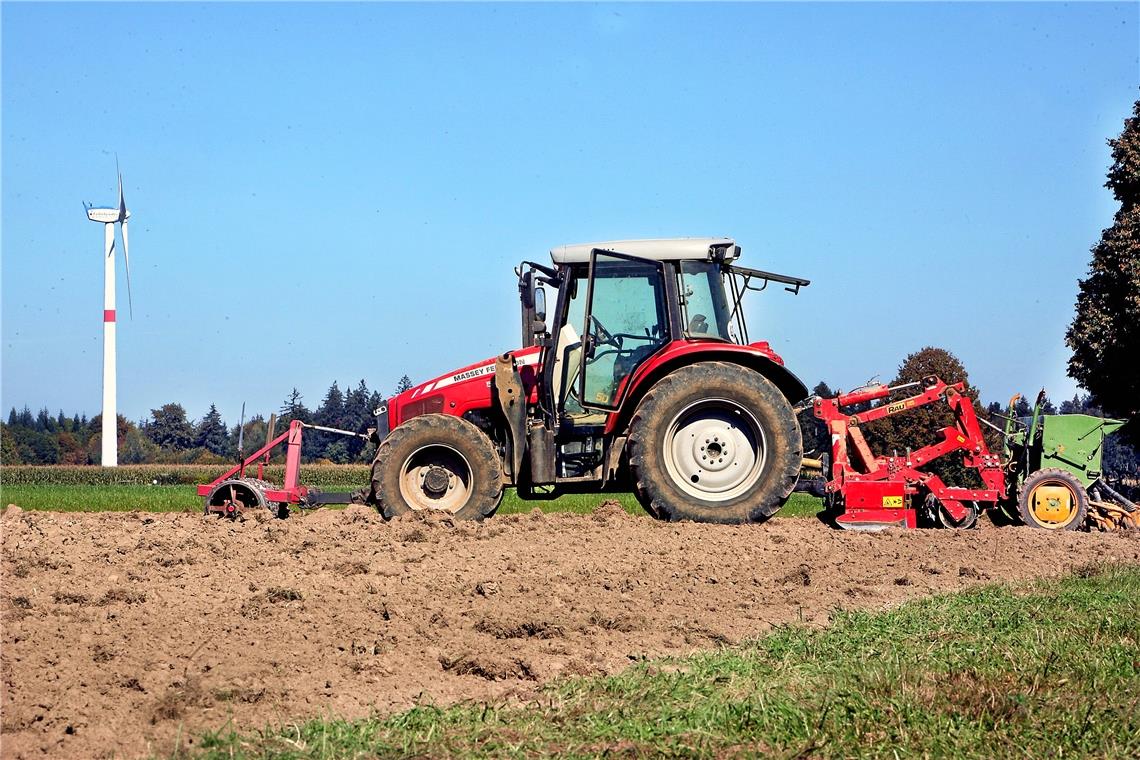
pixel 540 304
pixel 538 327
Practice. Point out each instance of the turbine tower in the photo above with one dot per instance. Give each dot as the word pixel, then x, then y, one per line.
pixel 109 217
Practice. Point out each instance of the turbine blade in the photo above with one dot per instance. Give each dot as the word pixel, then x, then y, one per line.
pixel 127 261
pixel 122 203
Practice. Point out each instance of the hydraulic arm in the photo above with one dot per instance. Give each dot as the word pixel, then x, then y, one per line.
pixel 878 491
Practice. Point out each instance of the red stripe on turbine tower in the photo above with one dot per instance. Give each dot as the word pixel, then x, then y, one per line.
pixel 108 315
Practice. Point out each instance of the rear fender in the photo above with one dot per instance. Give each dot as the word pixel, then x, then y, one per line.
pixel 756 356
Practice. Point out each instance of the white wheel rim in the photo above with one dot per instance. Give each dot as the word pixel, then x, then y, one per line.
pixel 436 477
pixel 715 449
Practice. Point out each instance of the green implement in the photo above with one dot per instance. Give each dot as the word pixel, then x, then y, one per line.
pixel 1055 462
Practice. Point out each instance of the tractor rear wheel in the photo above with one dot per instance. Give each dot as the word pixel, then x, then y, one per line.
pixel 714 442
pixel 1053 499
pixel 437 462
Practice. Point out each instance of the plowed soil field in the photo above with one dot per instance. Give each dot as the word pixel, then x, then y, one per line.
pixel 124 634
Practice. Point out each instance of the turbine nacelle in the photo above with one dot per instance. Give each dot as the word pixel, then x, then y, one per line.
pixel 107 215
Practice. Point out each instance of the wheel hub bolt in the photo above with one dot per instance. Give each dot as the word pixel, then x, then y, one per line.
pixel 436 479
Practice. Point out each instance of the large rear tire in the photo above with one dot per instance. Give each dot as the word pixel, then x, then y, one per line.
pixel 1053 499
pixel 437 462
pixel 714 442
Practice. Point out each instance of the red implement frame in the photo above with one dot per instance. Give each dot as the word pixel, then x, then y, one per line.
pixel 292 492
pixel 881 490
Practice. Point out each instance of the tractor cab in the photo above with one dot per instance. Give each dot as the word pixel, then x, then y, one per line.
pixel 609 318
pixel 614 306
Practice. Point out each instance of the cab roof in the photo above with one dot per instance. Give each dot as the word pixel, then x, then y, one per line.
pixel 663 249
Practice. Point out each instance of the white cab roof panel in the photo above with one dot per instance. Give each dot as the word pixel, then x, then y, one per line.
pixel 666 249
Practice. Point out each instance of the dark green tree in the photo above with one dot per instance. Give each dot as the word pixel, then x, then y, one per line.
pixel 212 434
pixel 253 438
pixel 169 428
pixel 814 432
pixel 358 415
pixel 337 451
pixel 921 427
pixel 1105 333
pixel 405 384
pixel 39 448
pixel 1075 406
pixel 331 411
pixel 330 414
pixel 294 408
pixel 9 454
pixel 136 448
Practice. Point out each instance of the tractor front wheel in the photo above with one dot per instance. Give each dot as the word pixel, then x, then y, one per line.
pixel 437 462
pixel 714 442
pixel 1053 499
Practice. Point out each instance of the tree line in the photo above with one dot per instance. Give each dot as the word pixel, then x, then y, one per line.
pixel 170 436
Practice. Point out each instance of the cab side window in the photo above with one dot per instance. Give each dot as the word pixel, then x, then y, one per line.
pixel 626 322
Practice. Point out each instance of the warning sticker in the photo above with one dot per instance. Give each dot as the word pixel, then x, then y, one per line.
pixel 892 502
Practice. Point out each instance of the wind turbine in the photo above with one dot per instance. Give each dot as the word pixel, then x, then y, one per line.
pixel 110 217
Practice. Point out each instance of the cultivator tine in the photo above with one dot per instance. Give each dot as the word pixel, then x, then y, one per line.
pixel 1108 517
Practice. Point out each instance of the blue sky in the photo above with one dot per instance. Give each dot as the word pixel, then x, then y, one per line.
pixel 330 192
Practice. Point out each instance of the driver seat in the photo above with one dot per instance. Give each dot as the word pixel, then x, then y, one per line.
pixel 567 365
pixel 567 362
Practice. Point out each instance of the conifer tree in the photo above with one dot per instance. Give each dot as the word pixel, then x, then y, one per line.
pixel 1105 333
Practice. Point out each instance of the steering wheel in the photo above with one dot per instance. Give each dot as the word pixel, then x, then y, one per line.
pixel 603 336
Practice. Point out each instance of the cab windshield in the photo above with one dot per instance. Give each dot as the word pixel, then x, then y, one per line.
pixel 705 311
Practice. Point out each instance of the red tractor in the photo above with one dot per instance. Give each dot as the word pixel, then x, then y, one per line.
pixel 643 379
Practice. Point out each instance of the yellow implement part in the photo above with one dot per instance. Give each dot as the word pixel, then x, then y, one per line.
pixel 1052 503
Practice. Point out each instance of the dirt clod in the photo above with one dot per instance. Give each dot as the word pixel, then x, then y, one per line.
pixel 69 597
pixel 275 594
pixel 124 595
pixel 610 510
pixel 801 576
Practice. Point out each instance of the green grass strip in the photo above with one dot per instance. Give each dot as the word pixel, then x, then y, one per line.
pixel 108 498
pixel 1048 670
pixel 183 498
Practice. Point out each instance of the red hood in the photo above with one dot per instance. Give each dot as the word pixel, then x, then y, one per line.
pixel 459 391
